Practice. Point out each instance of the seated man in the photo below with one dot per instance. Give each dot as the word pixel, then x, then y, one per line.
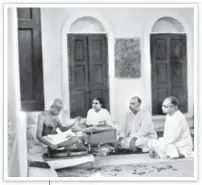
pixel 98 118
pixel 98 127
pixel 176 141
pixel 137 129
pixel 48 122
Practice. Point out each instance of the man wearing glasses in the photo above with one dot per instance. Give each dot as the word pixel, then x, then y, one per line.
pixel 137 128
pixel 176 141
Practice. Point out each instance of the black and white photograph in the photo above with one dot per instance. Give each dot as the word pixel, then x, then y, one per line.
pixel 100 92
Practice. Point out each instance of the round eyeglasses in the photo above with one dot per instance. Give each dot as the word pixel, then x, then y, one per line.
pixel 167 106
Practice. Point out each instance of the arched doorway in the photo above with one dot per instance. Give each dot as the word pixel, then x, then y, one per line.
pixel 90 30
pixel 168 44
pixel 88 65
pixel 147 77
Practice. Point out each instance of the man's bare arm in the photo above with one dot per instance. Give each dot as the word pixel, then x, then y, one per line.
pixel 62 127
pixel 39 131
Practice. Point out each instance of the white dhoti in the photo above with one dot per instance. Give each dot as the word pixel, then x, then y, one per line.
pixel 173 150
pixel 176 139
pixel 139 126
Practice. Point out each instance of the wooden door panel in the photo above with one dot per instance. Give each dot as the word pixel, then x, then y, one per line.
pixel 80 50
pixel 97 50
pixel 88 71
pixel 179 70
pixel 24 13
pixel 177 73
pixel 169 70
pixel 161 94
pixel 176 48
pixel 160 50
pixel 98 67
pixel 97 75
pixel 78 105
pixel 26 69
pixel 78 75
pixel 30 59
pixel 161 76
pixel 160 71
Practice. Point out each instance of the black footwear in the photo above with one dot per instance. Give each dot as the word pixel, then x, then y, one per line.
pixel 181 156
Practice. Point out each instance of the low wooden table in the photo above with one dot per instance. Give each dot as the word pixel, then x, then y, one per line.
pixel 102 137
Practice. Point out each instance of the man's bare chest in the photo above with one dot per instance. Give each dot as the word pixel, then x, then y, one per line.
pixel 50 121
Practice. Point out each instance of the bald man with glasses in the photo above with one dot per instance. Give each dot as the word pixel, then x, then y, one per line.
pixel 176 141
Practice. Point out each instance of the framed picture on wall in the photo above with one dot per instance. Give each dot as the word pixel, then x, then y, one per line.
pixel 127 58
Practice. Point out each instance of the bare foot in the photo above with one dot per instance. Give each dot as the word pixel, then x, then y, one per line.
pixel 81 146
pixel 153 154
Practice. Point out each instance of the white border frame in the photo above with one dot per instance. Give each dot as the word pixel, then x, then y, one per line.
pixel 191 5
pixel 21 145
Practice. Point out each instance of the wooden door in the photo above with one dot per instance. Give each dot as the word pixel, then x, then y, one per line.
pixel 78 75
pixel 178 63
pixel 30 59
pixel 88 71
pixel 98 68
pixel 169 70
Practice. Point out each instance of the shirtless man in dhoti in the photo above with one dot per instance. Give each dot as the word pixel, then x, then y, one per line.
pixel 48 122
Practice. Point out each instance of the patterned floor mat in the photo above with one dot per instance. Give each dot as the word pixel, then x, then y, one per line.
pixel 176 169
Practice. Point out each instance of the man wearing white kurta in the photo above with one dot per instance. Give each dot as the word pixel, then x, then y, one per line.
pixel 176 140
pixel 98 118
pixel 137 129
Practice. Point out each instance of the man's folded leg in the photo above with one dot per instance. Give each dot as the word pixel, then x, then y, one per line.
pixel 142 143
